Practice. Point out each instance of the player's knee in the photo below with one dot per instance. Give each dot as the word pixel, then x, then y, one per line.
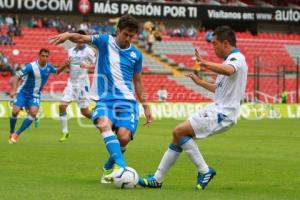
pixel 124 139
pixel 33 114
pixel 85 113
pixel 103 125
pixel 62 108
pixel 15 113
pixel 176 133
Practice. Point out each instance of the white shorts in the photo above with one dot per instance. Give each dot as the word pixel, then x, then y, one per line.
pixel 207 122
pixel 80 94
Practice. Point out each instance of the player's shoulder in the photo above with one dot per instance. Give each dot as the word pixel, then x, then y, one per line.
pixel 236 56
pixel 135 51
pixel 90 49
pixel 50 65
pixel 104 36
pixel 71 49
pixel 28 66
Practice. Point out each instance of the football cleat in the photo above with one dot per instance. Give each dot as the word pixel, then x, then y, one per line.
pixel 64 137
pixel 149 182
pixel 108 174
pixel 13 138
pixel 36 122
pixel 204 179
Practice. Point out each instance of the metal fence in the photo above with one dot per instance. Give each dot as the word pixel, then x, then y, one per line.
pixel 274 82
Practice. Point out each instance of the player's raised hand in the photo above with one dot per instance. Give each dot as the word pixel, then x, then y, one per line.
pixel 67 64
pixel 60 38
pixel 199 59
pixel 12 94
pixel 193 76
pixel 148 115
pixel 85 65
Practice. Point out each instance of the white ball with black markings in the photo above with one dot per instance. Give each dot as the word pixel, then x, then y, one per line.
pixel 126 178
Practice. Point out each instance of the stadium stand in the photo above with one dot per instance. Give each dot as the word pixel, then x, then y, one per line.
pixel 35 38
pixel 271 50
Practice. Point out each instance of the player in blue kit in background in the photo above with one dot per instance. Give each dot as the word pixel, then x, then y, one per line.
pixel 34 76
pixel 117 78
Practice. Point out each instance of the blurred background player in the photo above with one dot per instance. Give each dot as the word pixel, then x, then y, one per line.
pixel 118 70
pixel 218 116
pixel 34 76
pixel 6 67
pixel 81 58
pixel 162 94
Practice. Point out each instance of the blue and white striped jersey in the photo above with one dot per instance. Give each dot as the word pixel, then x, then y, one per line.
pixel 34 78
pixel 114 70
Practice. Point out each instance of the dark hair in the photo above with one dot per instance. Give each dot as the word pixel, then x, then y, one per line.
pixel 128 21
pixel 225 33
pixel 44 50
pixel 81 32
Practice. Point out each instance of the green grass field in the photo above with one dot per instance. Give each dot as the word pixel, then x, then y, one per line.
pixel 254 160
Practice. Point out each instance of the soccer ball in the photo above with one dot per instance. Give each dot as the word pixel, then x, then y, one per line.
pixel 125 178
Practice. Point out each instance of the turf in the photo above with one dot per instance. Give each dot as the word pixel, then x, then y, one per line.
pixel 254 160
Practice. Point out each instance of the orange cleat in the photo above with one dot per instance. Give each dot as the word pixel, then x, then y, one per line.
pixel 13 138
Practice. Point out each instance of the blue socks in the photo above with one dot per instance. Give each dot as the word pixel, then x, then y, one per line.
pixel 110 162
pixel 113 147
pixel 184 140
pixel 25 124
pixel 12 123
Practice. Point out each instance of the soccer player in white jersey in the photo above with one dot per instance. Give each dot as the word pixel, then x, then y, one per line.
pixel 81 57
pixel 34 76
pixel 117 78
pixel 218 116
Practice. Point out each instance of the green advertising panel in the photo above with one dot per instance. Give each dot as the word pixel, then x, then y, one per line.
pixel 251 111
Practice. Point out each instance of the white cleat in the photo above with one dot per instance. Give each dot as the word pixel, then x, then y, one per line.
pixel 107 176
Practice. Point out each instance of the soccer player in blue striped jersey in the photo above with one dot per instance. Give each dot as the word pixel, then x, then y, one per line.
pixel 117 78
pixel 34 76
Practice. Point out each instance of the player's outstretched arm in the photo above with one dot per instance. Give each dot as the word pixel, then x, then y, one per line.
pixel 74 37
pixel 139 89
pixel 14 85
pixel 66 65
pixel 90 67
pixel 215 67
pixel 209 86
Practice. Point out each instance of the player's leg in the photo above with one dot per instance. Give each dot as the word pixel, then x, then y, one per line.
pixel 13 119
pixel 126 121
pixel 111 141
pixel 36 119
pixel 200 125
pixel 169 158
pixel 69 95
pixel 13 137
pixel 63 120
pixel 86 112
pixel 18 103
pixel 124 136
pixel 84 102
pixel 103 119
pixel 184 135
pixel 182 140
pixel 33 110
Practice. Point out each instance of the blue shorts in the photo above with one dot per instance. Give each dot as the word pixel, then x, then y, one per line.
pixel 22 100
pixel 122 114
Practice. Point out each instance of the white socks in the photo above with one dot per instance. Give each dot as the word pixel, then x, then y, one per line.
pixel 167 161
pixel 64 123
pixel 171 155
pixel 192 150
